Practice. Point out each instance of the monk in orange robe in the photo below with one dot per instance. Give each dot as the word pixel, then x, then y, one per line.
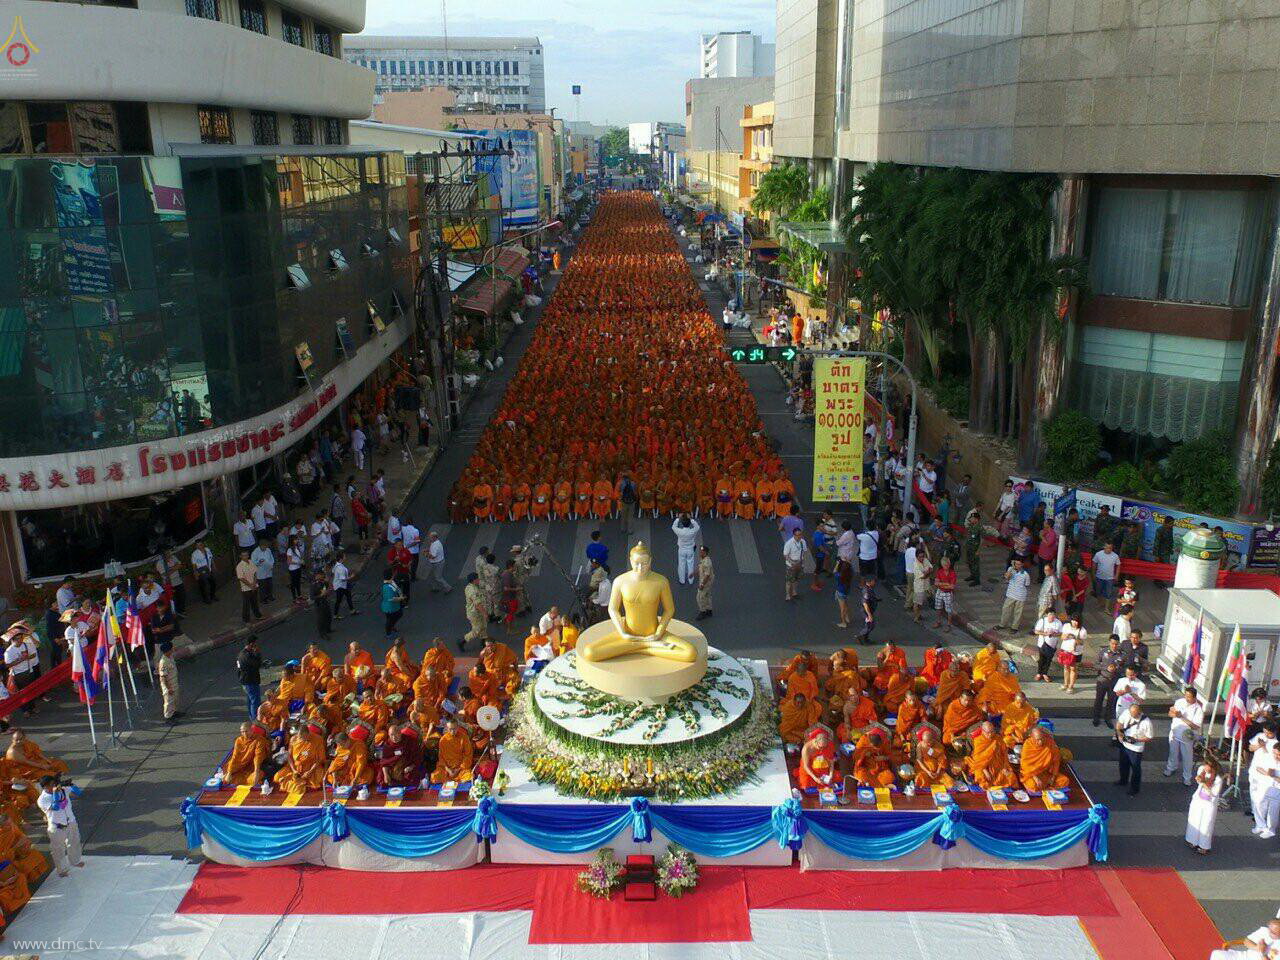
pixel 989 660
pixel 28 761
pixel 398 660
pixel 306 766
pixel 563 502
pixel 438 656
pixel 1017 720
pixel 745 495
pixel 481 502
pixel 871 763
pixel 541 508
pixel 455 755
pixel 373 712
pixel 295 687
pixel 484 685
pixel 350 764
pixel 889 661
pixel 357 657
pixel 425 715
pixel 998 691
pixel 910 715
pixel 16 847
pixel 1041 762
pixel 844 678
pixel 534 640
pixel 14 892
pixel 497 657
pixel 900 684
pixel 936 660
pixel 817 762
pixel 520 497
pixel 953 682
pixel 798 714
pixel 272 716
pixel 805 657
pixel 338 688
pixel 249 755
pixel 859 713
pixel 764 497
pixel 960 716
pixel 988 764
pixel 316 665
pixel 602 504
pixel 391 684
pixel 569 633
pixel 724 498
pixel 803 681
pixel 430 686
pixel 932 767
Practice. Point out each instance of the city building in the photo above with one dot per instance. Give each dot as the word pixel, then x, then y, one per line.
pixel 713 137
pixel 757 149
pixel 199 271
pixel 737 54
pixel 497 73
pixel 649 139
pixel 1156 124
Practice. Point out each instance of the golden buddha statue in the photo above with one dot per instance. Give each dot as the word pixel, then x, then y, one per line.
pixel 640 608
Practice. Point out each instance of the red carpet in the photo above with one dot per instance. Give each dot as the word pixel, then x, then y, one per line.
pixel 713 913
pixel 1045 893
pixel 272 891
pixel 1178 919
pixel 1127 936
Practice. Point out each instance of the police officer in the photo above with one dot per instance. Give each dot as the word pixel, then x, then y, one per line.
pixel 1111 663
pixel 973 545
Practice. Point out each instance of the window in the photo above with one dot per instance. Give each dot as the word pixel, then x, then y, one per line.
pixel 266 131
pixel 291 29
pixel 515 68
pixel 303 129
pixel 422 68
pixel 440 68
pixel 1188 246
pixel 216 125
pixel 431 67
pixel 506 68
pixel 253 16
pixel 395 71
pixel 332 131
pixel 413 68
pixel 49 126
pixel 469 68
pixel 488 68
pixel 324 41
pixel 382 67
pixel 205 9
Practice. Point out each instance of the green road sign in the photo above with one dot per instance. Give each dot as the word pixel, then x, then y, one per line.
pixel 762 354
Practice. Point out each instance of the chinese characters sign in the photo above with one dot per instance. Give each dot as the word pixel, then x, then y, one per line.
pixel 839 394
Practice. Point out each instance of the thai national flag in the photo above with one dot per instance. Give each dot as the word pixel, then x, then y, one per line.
pixel 1191 669
pixel 84 682
pixel 108 633
pixel 1237 702
pixel 133 623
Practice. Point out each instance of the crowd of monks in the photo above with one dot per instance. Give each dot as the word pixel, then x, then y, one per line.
pixel 360 723
pixel 21 865
pixel 952 720
pixel 625 376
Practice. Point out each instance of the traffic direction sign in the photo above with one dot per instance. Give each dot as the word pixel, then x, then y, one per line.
pixel 762 354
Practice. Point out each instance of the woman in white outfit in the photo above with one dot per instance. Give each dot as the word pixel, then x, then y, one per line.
pixel 1203 813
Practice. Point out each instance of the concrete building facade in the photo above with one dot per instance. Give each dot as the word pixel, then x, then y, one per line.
pixel 726 98
pixel 757 149
pixel 740 53
pixel 494 73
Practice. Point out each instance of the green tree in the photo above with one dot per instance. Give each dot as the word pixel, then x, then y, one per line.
pixel 1202 474
pixel 616 142
pixel 780 191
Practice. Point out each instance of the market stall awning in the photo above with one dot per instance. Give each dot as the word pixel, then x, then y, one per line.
pixel 486 295
pixel 511 260
pixel 460 271
pixel 820 236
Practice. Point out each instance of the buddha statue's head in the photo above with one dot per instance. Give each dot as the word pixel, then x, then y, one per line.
pixel 641 558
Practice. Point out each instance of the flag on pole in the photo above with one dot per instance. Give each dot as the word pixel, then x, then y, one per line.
pixel 1237 713
pixel 133 623
pixel 108 634
pixel 1191 668
pixel 1235 655
pixel 82 678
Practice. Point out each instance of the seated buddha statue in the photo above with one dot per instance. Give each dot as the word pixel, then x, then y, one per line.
pixel 640 608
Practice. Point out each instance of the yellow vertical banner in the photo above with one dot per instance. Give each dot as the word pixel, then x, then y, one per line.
pixel 839 386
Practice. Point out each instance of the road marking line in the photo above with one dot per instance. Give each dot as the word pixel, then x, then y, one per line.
pixel 744 547
pixel 486 537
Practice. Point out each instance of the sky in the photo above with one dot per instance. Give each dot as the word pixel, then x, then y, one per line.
pixel 632 57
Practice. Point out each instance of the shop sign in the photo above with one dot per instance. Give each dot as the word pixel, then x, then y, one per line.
pixel 839 387
pixel 1151 516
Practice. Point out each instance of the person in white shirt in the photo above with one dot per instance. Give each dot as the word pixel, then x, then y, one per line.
pixel 357 447
pixel 1134 731
pixel 927 479
pixel 202 567
pixel 21 662
pixel 412 538
pixel 1123 625
pixel 1262 944
pixel 341 580
pixel 1129 691
pixel 1187 717
pixel 321 544
pixel 258 516
pixel 67 595
pixel 909 570
pixel 60 822
pixel 1266 808
pixel 435 565
pixel 1048 633
pixel 395 530
pixel 868 551
pixel 271 513
pixel 295 558
pixel 846 542
pixel 1105 564
pixel 687 532
pixel 1071 651
pixel 1018 585
pixel 1202 814
pixel 243 530
pixel 1261 770
pixel 793 553
pixel 600 599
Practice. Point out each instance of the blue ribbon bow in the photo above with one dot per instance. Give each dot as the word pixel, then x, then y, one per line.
pixel 483 824
pixel 952 829
pixel 191 820
pixel 335 821
pixel 789 825
pixel 641 826
pixel 1098 817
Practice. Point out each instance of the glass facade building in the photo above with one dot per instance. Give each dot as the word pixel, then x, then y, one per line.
pixel 149 297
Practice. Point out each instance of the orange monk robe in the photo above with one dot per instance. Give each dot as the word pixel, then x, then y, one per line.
pixel 806 683
pixel 796 720
pixel 935 664
pixel 362 659
pixel 857 719
pixel 900 684
pixel 582 493
pixel 822 761
pixel 441 659
pixel 498 658
pixel 430 687
pixel 482 501
pixel 273 714
pixel 350 765
pixel 306 767
pixel 30 763
pixel 248 756
pixel 889 662
pixel 424 716
pixel 541 507
pixel 568 638
pixel 850 658
pixel 455 757
pixel 520 498
pixel 871 766
pixel 1016 722
pixel 563 499
pixel 988 764
pixel 602 504
pixel 949 689
pixel 1041 765
pixel 844 682
pixel 745 500
pixel 931 767
pixel 375 713
pixel 764 497
pixel 14 892
pixel 809 661
pixel 958 719
pixel 910 716
pixel 724 497
pixel 392 684
pixel 987 662
pixel 317 667
pixel 486 687
pixel 297 687
pixel 997 692
pixel 534 639
pixel 398 663
pixel 16 847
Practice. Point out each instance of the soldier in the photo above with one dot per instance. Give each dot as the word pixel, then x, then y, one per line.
pixel 1131 543
pixel 951 546
pixel 477 608
pixel 706 577
pixel 1104 527
pixel 490 586
pixel 524 570
pixel 1163 546
pixel 973 547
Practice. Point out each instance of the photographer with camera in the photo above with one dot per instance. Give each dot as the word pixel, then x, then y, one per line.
pixel 60 820
pixel 1134 731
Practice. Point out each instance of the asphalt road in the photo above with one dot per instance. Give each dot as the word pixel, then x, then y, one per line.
pixel 132 798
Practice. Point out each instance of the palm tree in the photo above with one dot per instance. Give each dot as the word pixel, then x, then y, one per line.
pixel 780 191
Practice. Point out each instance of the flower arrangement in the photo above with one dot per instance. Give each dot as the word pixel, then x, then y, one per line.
pixel 677 872
pixel 603 875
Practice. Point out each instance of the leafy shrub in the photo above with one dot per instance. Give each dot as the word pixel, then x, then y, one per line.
pixel 1202 474
pixel 1270 492
pixel 953 396
pixel 1123 479
pixel 1072 442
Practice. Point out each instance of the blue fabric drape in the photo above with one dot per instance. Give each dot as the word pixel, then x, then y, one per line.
pixel 410 832
pixel 567 829
pixel 641 822
pixel 1034 836
pixel 789 824
pixel 878 836
pixel 256 833
pixel 715 831
pixel 483 825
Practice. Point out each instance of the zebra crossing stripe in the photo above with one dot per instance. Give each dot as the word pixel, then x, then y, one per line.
pixel 485 539
pixel 744 547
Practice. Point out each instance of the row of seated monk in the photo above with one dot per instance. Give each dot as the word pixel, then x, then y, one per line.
pixel 22 766
pixel 359 723
pixel 954 720
pixel 770 496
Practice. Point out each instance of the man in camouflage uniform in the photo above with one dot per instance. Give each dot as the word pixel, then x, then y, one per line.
pixel 1131 543
pixel 525 567
pixel 973 547
pixel 706 577
pixel 1104 528
pixel 477 607
pixel 1163 546
pixel 490 586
